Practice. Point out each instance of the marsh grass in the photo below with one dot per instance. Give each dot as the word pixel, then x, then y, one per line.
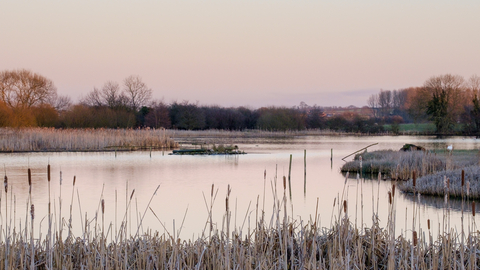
pixel 396 165
pixel 276 241
pixel 436 184
pixel 50 139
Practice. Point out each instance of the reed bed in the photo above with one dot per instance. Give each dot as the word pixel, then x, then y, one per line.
pixel 454 183
pixel 396 165
pixel 50 139
pixel 276 241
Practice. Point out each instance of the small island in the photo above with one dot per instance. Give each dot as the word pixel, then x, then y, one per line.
pixel 214 150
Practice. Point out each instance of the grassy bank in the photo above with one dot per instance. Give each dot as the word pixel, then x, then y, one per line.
pixel 454 183
pixel 276 241
pixel 399 165
pixel 49 139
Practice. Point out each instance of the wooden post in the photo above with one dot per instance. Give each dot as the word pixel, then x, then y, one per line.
pixel 289 173
pixel 305 171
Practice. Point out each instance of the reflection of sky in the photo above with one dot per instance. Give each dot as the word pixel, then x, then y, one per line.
pixel 185 180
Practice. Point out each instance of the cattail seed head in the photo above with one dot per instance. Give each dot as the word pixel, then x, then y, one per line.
pixel 48 172
pixel 415 239
pixel 74 179
pixel 428 224
pixel 463 178
pixel 265 175
pixel 393 190
pixel 284 183
pixel 414 178
pixel 345 206
pixel 5 183
pixel 390 197
pixel 103 206
pixel 448 183
pixel 29 177
pixel 211 193
pixel 468 188
pixel 226 204
pixel 32 211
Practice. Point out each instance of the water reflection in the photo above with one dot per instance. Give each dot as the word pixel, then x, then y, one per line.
pixel 437 202
pixel 186 181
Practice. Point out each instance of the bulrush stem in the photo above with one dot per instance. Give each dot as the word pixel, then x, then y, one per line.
pixel 71 208
pixel 32 254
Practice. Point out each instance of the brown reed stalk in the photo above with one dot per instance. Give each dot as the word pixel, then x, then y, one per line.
pixel 71 208
pixel 32 250
pixel 49 233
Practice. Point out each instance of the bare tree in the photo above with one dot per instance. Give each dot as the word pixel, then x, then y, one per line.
pixel 110 96
pixel 137 92
pixel 93 99
pixel 24 89
pixel 385 101
pixel 372 102
pixel 473 85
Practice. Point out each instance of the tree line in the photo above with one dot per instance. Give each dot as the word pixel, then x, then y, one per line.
pixel 447 100
pixel 30 99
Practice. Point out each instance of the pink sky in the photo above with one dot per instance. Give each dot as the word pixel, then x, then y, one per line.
pixel 234 53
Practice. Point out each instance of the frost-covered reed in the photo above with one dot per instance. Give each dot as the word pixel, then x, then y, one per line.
pixel 397 165
pixel 50 139
pixel 448 182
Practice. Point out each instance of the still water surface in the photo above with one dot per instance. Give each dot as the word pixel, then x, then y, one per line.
pixel 185 184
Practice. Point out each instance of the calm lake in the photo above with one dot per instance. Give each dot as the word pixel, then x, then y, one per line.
pixel 185 184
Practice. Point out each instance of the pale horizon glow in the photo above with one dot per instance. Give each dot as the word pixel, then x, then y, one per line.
pixel 242 53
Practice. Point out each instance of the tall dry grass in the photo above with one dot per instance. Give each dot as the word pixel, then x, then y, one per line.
pixel 449 183
pixel 50 139
pixel 397 165
pixel 276 241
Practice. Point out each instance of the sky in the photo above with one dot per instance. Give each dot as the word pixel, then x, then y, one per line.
pixel 242 52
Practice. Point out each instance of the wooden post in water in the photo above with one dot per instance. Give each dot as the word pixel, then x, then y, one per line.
pixel 331 158
pixel 305 171
pixel 289 173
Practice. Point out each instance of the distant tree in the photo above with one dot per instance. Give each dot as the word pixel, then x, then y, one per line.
pixel 280 119
pixel 45 115
pixel 250 117
pixel 6 115
pixel 137 92
pixel 25 89
pixel 385 102
pixel 109 96
pixel 372 103
pixel 315 118
pixel 158 115
pixel 338 123
pixel 61 103
pixel 443 95
pixel 187 116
